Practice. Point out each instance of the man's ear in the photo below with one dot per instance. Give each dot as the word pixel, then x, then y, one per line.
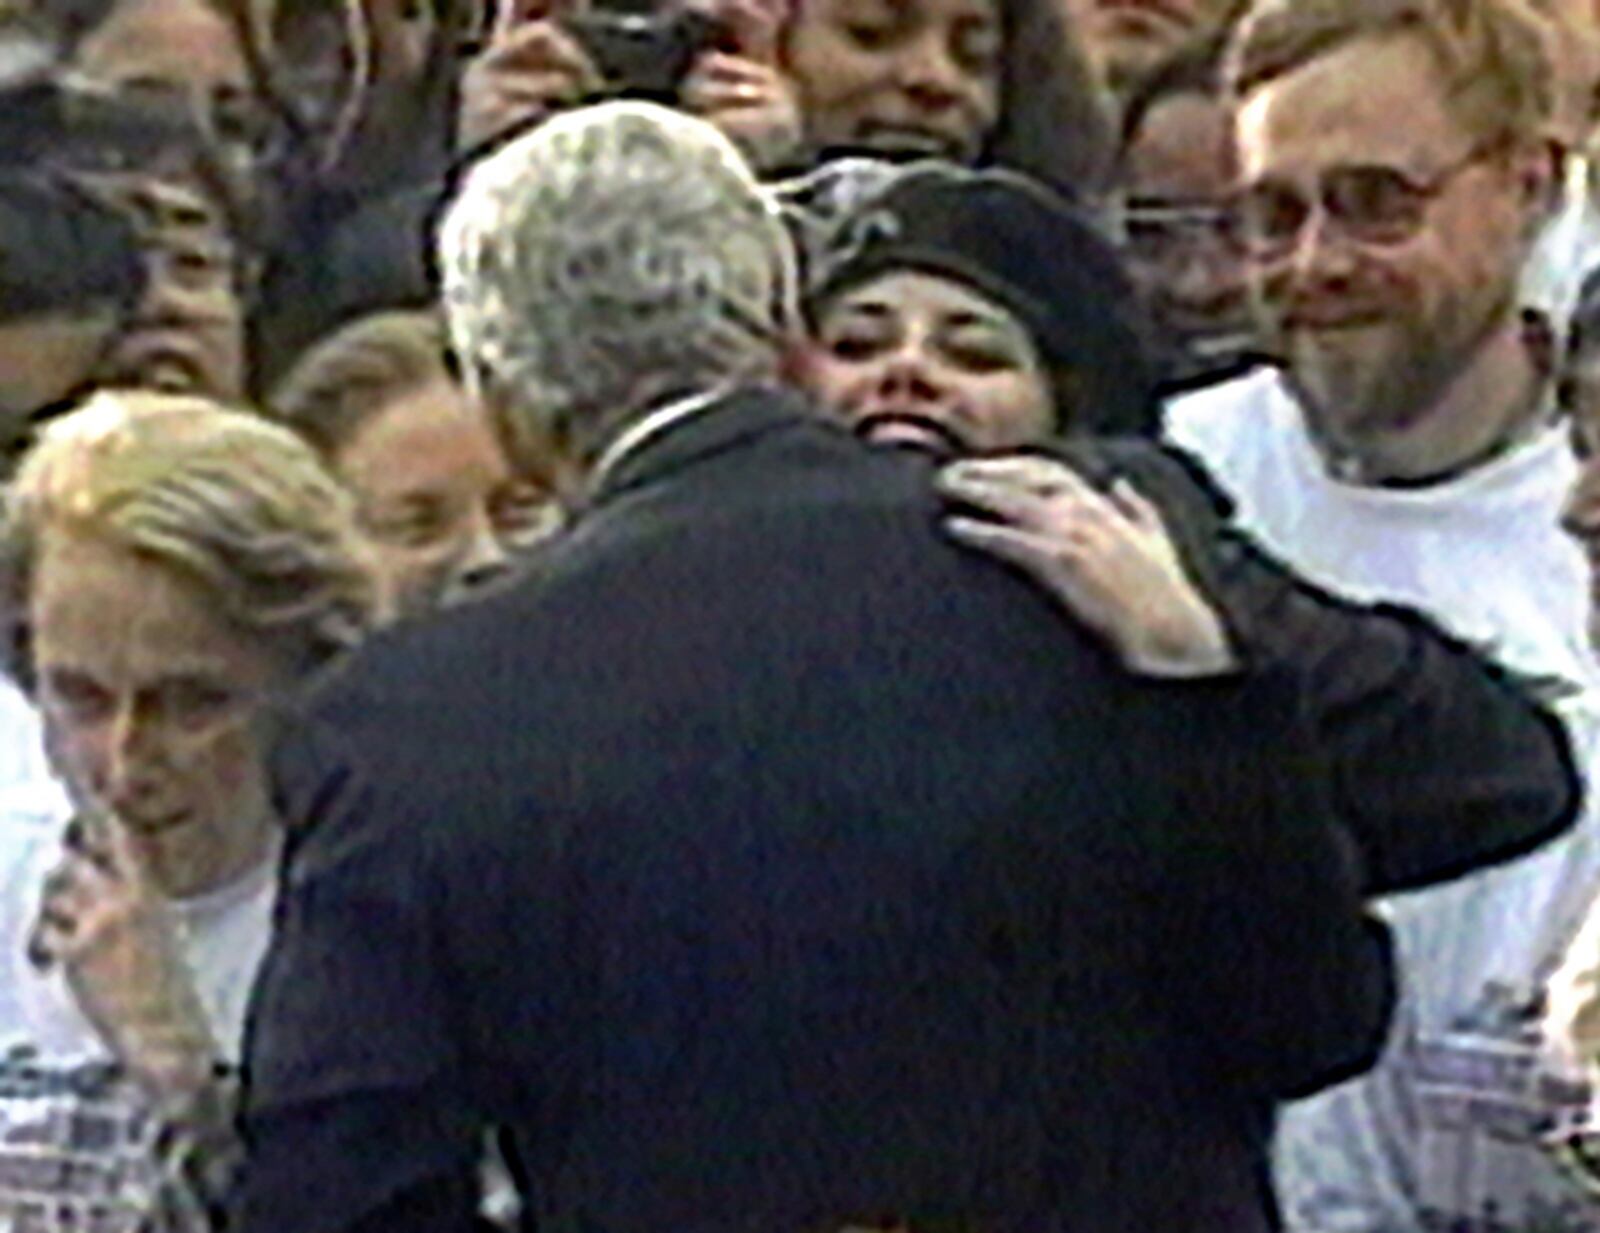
pixel 793 360
pixel 1539 171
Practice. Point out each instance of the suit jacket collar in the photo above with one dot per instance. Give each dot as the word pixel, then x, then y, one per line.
pixel 721 424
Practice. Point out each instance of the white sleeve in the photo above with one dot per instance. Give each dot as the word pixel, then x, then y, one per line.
pixel 1339 1159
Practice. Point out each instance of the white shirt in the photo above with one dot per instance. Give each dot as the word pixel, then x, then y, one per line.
pixel 76 1142
pixel 1567 250
pixel 22 760
pixel 1441 1134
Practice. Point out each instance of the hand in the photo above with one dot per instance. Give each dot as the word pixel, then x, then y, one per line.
pixel 1107 558
pixel 744 92
pixel 531 69
pixel 112 934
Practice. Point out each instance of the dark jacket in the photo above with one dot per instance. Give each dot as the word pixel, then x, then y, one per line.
pixel 771 864
pixel 1441 762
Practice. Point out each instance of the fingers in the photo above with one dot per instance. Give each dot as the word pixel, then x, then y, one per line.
pixel 540 48
pixel 754 26
pixel 1031 552
pixel 721 82
pixel 1136 508
pixel 1049 499
pixel 1024 470
pixel 522 78
pixel 94 839
pixel 56 926
pixel 1009 502
pixel 513 14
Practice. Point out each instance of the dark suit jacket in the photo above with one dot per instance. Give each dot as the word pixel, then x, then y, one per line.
pixel 1441 762
pixel 770 863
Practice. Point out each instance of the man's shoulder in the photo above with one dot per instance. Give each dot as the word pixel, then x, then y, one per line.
pixel 1229 408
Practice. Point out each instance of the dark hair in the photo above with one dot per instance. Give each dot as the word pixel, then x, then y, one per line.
pixel 1032 251
pixel 1055 120
pixel 63 252
pixel 1197 69
pixel 358 372
pixel 263 23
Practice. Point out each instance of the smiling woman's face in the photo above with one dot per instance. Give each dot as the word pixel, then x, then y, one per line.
pixel 918 360
pixel 899 76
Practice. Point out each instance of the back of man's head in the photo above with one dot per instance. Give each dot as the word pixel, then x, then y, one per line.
pixel 610 260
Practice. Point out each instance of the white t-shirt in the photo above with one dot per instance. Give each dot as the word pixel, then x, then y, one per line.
pixel 76 1140
pixel 22 759
pixel 1441 1134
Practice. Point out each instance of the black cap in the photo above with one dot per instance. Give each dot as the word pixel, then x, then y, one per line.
pixel 1034 252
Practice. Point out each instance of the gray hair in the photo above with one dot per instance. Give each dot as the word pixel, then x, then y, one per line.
pixel 613 255
pixel 241 506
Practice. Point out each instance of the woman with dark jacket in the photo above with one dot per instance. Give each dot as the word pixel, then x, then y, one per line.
pixel 980 314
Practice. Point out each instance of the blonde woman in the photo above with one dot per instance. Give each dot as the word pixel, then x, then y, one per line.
pixel 379 402
pixel 169 572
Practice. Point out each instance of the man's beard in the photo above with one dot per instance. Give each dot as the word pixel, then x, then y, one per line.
pixel 1383 380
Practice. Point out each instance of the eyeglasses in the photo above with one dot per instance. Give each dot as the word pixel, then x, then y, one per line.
pixel 1370 204
pixel 1161 233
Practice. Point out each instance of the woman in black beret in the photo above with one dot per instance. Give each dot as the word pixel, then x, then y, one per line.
pixel 979 317
pixel 1014 302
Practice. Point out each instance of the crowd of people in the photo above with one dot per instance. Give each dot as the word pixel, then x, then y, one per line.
pixel 801 616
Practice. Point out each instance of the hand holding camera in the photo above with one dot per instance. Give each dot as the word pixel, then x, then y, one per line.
pixel 532 67
pixel 742 90
pixel 714 58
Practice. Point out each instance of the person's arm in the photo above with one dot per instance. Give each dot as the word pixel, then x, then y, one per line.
pixel 1274 968
pixel 1440 762
pixel 1273 965
pixel 355 1114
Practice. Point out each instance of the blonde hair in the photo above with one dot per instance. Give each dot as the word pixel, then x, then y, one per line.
pixel 357 372
pixel 1495 55
pixel 240 506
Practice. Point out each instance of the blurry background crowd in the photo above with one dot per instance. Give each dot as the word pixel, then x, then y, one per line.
pixel 1336 250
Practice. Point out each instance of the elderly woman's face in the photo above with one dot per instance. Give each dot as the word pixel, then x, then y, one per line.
pixel 437 498
pixel 898 76
pixel 913 359
pixel 152 700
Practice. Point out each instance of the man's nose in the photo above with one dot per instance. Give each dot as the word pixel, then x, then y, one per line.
pixel 1206 277
pixel 1320 254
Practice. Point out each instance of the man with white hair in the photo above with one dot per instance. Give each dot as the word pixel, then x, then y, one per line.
pixel 766 862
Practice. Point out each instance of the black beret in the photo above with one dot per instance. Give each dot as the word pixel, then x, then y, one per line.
pixel 1034 252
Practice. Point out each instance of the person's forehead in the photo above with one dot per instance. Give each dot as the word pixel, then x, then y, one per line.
pixel 430 438
pixel 1184 146
pixel 914 288
pixel 1342 108
pixel 105 610
pixel 163 40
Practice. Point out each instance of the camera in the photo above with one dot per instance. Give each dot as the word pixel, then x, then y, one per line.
pixel 643 54
pixel 70 126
